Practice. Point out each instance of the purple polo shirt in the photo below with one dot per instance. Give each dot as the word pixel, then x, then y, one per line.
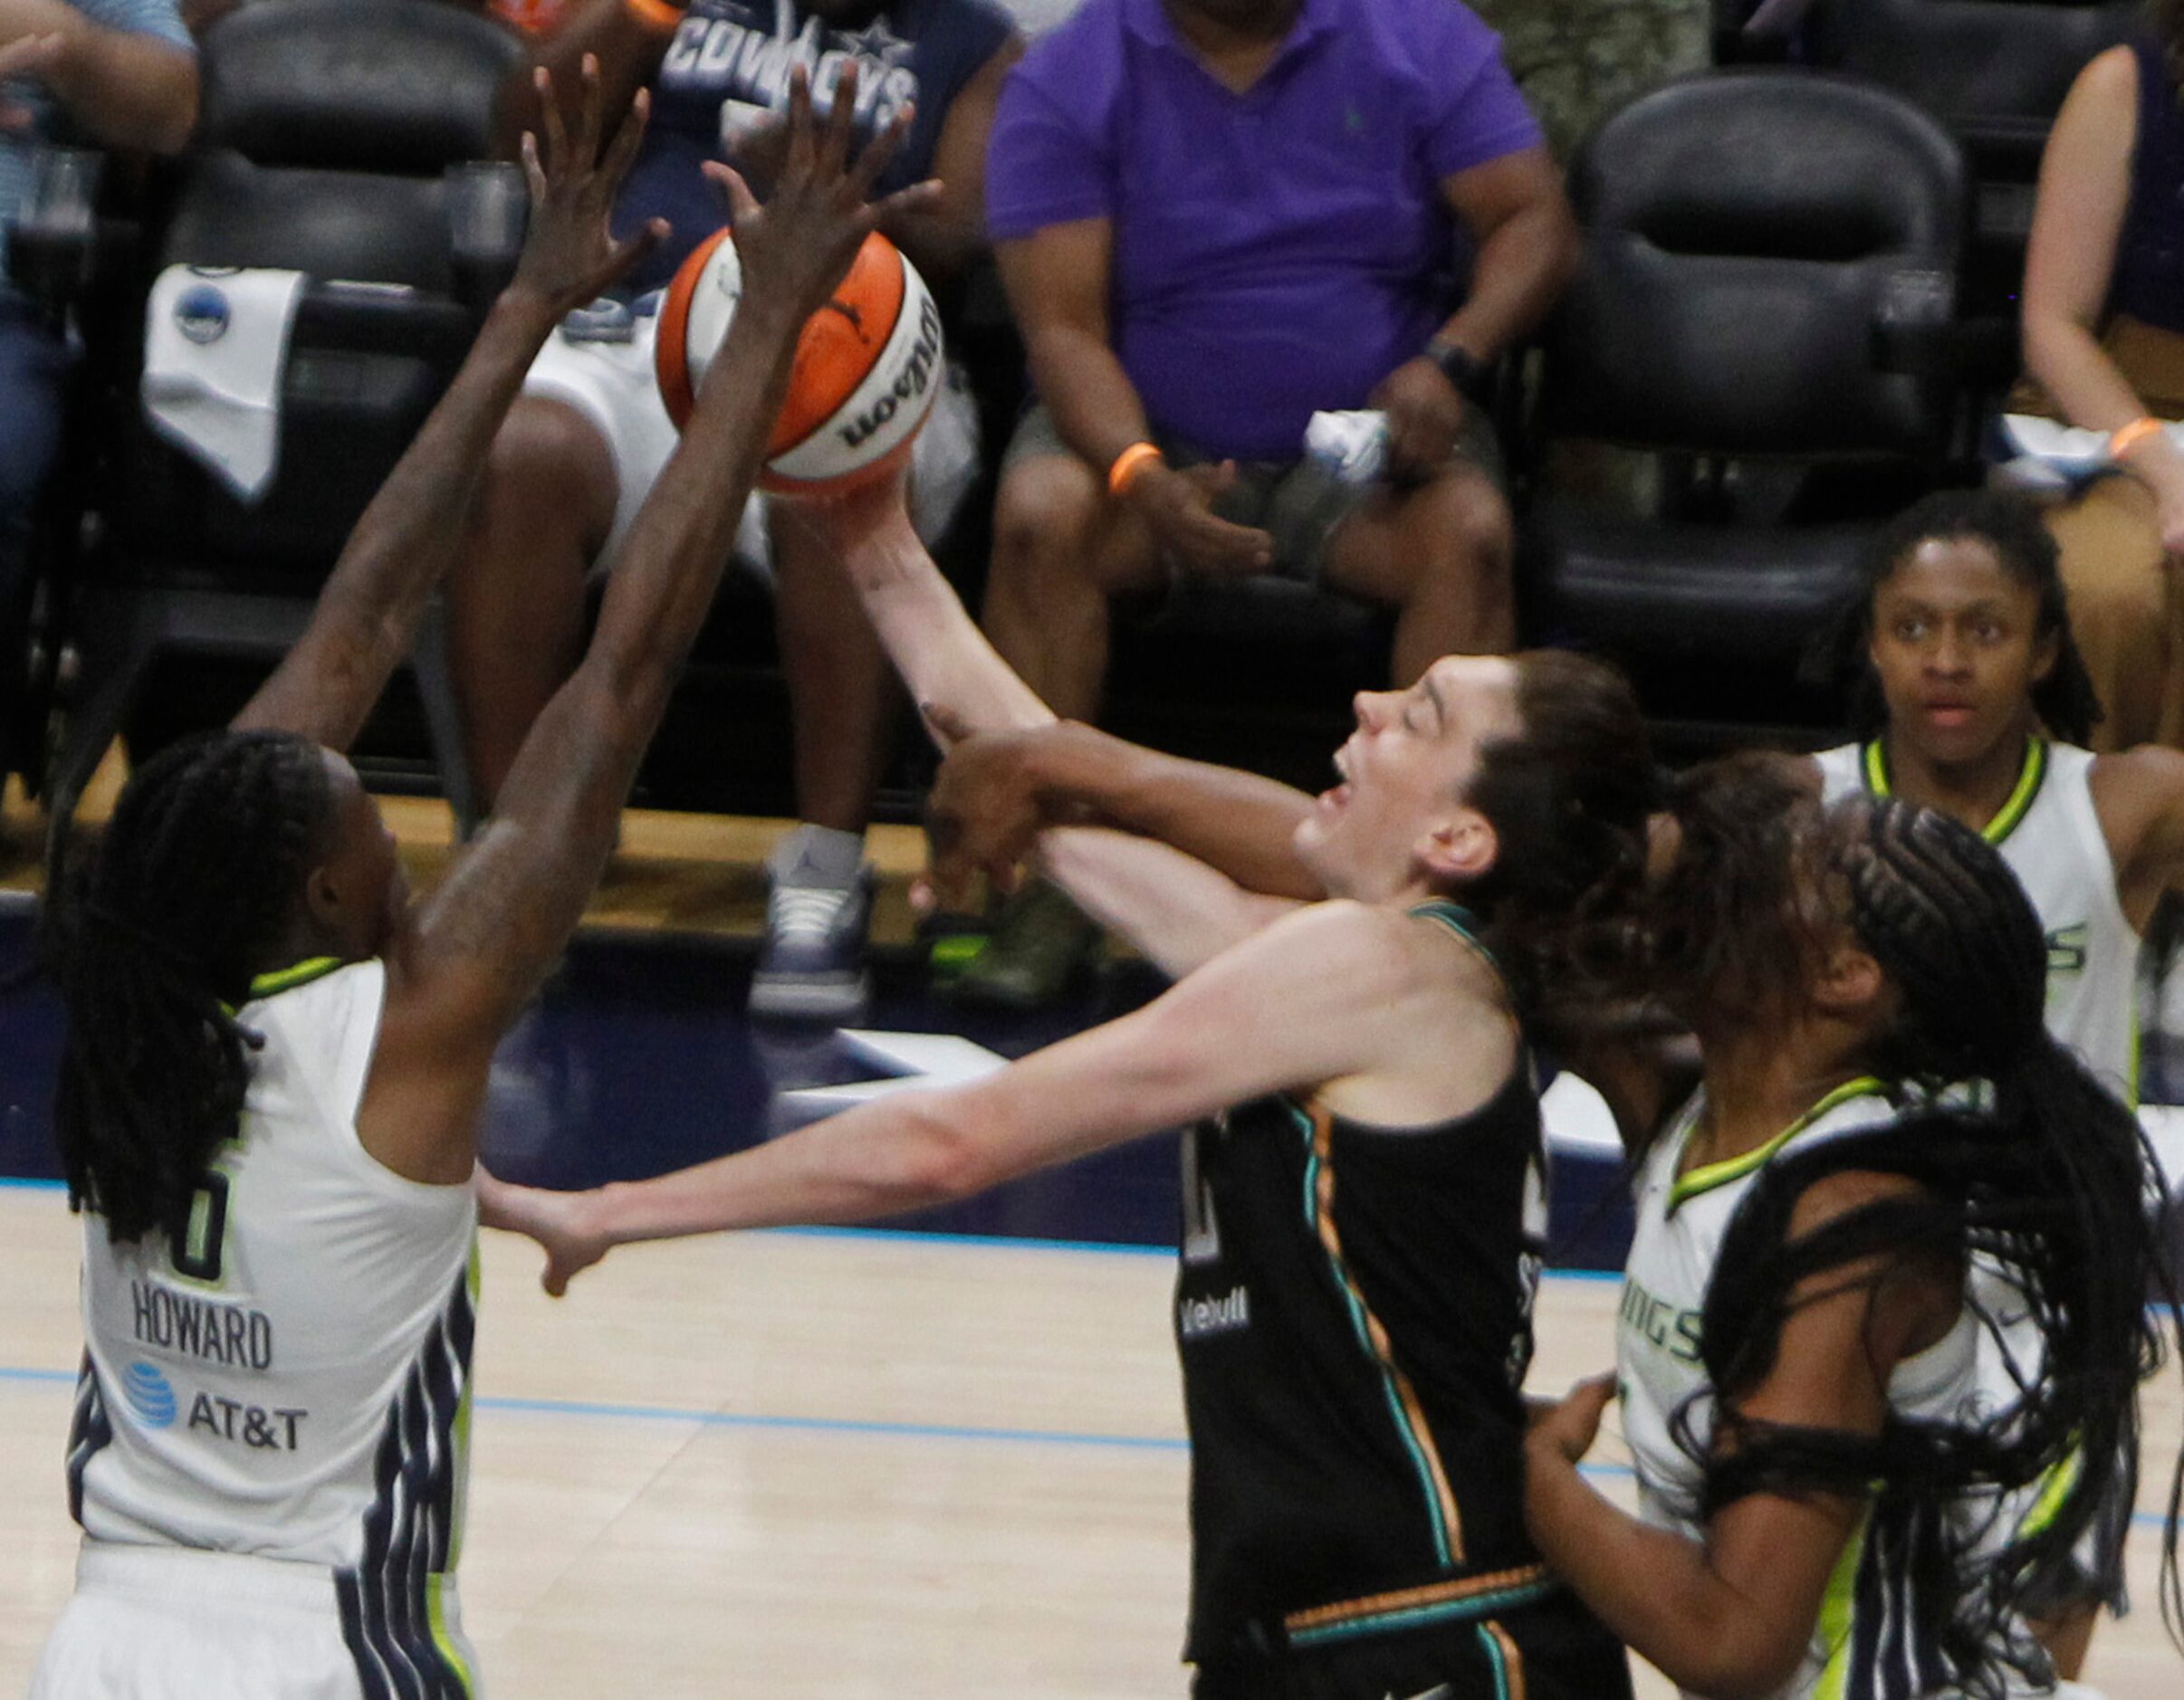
pixel 1276 253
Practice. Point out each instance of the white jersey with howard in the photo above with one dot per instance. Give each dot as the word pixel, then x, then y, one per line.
pixel 293 1382
pixel 2050 836
pixel 1864 1646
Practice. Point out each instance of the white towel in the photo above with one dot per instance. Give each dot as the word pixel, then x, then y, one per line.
pixel 2047 456
pixel 215 343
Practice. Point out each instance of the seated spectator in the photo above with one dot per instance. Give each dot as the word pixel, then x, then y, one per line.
pixel 2103 324
pixel 1215 218
pixel 582 446
pixel 118 73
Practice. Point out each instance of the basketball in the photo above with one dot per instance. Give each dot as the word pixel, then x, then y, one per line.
pixel 866 370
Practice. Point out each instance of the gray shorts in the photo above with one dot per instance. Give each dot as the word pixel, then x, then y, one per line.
pixel 1299 503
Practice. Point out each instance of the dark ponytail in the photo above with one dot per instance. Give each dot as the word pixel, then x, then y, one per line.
pixel 154 942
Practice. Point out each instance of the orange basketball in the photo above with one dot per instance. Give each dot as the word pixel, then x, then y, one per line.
pixel 867 368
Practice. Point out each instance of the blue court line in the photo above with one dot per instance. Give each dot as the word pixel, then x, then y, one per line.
pixel 850 1426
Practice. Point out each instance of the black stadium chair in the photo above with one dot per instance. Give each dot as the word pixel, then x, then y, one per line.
pixel 1763 248
pixel 1995 72
pixel 326 128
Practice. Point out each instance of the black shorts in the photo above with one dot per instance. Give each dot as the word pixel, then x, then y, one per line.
pixel 1552 1651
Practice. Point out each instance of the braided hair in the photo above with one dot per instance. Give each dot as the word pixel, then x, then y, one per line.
pixel 154 941
pixel 2037 1183
pixel 2009 526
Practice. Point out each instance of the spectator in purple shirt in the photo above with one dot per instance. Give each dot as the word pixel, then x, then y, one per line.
pixel 1215 218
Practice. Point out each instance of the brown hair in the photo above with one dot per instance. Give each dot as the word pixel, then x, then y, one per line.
pixel 1569 797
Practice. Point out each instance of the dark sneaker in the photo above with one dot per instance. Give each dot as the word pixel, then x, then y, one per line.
pixel 812 966
pixel 1040 948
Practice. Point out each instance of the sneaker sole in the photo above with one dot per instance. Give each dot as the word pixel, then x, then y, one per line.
pixel 800 997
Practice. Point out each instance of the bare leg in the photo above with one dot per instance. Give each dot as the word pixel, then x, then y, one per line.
pixel 1441 555
pixel 515 606
pixel 1060 551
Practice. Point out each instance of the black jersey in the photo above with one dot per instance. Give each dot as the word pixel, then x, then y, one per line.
pixel 1354 1314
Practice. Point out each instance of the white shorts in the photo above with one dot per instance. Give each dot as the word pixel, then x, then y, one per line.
pixel 174 1623
pixel 612 383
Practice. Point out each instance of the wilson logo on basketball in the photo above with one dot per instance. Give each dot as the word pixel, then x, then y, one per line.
pixel 909 384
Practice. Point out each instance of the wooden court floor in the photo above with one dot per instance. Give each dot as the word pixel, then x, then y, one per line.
pixel 815 1464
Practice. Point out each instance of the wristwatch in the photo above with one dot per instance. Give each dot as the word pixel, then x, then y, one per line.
pixel 1458 364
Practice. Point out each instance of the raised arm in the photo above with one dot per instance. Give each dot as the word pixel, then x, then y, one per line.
pixel 1319 998
pixel 405 541
pixel 1175 909
pixel 478 947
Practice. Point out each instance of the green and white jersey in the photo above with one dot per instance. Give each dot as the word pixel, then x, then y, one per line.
pixel 291 1378
pixel 2050 836
pixel 1864 1646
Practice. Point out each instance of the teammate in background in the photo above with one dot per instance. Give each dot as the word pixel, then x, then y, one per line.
pixel 1889 1153
pixel 1363 1191
pixel 275 1061
pixel 1976 704
pixel 589 435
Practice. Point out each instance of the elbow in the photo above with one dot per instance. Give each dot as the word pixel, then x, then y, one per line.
pixel 1737 1662
pixel 942 1161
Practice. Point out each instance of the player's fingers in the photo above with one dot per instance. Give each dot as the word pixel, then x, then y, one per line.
pixel 882 149
pixel 553 133
pixel 534 174
pixel 624 148
pixel 586 150
pixel 841 119
pixel 803 146
pixel 741 203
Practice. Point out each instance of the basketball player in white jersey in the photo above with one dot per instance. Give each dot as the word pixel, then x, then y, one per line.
pixel 275 1061
pixel 1824 1484
pixel 1976 704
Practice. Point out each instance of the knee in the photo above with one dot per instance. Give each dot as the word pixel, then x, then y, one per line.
pixel 1043 521
pixel 550 465
pixel 1461 528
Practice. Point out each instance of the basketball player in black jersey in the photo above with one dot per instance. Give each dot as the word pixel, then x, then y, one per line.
pixel 1364 1193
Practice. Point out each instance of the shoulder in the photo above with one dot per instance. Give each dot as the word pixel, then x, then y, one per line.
pixel 2135 791
pixel 2103 104
pixel 2110 75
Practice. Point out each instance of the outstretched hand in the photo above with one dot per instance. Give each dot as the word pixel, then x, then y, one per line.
pixel 797 246
pixel 569 255
pixel 987 807
pixel 559 1221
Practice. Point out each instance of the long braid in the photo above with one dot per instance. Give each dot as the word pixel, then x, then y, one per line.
pixel 154 942
pixel 2046 1196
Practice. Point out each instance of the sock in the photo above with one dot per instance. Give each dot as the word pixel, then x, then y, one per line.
pixel 818 856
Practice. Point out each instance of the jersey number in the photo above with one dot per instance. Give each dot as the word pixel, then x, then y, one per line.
pixel 195 1250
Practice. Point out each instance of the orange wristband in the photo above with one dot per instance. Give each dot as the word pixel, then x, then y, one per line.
pixel 2125 438
pixel 655 15
pixel 1128 466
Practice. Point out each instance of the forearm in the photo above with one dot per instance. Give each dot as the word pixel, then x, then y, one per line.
pixel 1238 823
pixel 1095 408
pixel 1653 1588
pixel 944 661
pixel 875 1160
pixel 128 90
pixel 1178 912
pixel 405 542
pixel 2069 363
pixel 671 563
pixel 1517 275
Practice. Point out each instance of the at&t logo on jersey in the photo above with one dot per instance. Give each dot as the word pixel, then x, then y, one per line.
pixel 148 1395
pixel 253 1425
